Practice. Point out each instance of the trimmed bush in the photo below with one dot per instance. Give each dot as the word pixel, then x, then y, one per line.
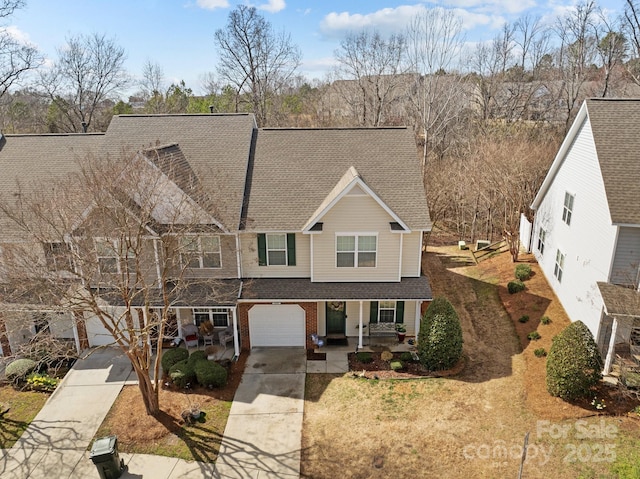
pixel 396 365
pixel 545 320
pixel 197 356
pixel 18 370
pixel 523 319
pixel 540 352
pixel 523 272
pixel 574 364
pixel 406 357
pixel 364 357
pixel 173 356
pixel 182 374
pixel 515 286
pixel 440 337
pixel 533 336
pixel 210 374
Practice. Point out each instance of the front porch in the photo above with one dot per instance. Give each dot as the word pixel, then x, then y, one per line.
pixel 370 344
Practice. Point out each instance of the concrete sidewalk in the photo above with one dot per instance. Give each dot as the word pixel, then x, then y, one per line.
pixel 55 442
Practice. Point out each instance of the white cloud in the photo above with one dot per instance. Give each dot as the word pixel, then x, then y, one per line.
pixel 17 34
pixel 493 6
pixel 273 6
pixel 212 4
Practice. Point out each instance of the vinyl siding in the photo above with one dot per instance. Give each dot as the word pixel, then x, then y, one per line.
pixel 587 242
pixel 251 269
pixel 626 262
pixel 228 261
pixel 411 254
pixel 356 214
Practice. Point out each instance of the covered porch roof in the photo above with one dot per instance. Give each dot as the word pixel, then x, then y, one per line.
pixel 302 289
pixel 619 301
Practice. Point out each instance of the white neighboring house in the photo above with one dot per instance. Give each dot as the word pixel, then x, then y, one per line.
pixel 586 231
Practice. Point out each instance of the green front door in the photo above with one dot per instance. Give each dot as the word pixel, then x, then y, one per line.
pixel 336 317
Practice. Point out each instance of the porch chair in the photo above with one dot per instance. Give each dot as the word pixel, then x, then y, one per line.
pixel 190 335
pixel 225 336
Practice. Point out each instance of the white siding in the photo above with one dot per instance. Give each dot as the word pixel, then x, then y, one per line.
pixel 250 268
pixel 356 214
pixel 411 254
pixel 627 258
pixel 587 242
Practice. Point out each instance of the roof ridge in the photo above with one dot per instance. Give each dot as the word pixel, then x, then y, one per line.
pixel 329 128
pixel 178 115
pixel 51 135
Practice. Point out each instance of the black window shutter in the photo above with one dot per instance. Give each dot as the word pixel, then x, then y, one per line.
pixel 373 314
pixel 262 249
pixel 291 249
pixel 399 311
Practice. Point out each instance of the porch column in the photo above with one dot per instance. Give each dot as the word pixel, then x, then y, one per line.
pixel 236 342
pixel 417 318
pixel 612 345
pixel 360 328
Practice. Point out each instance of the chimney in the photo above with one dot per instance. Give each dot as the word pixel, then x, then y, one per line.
pixel 211 107
pixel 84 127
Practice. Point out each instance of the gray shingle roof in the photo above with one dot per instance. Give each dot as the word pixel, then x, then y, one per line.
pixel 304 166
pixel 619 301
pixel 615 124
pixel 216 147
pixel 30 160
pixel 303 289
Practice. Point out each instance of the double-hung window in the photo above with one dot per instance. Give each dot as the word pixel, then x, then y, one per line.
pixel 559 266
pixel 276 249
pixel 200 252
pixel 356 251
pixel 387 312
pixel 114 256
pixel 542 235
pixel 58 256
pixel 567 210
pixel 219 317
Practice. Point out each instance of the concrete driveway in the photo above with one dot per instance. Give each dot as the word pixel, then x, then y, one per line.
pixel 55 443
pixel 264 430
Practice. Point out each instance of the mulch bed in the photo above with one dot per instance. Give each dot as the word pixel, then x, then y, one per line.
pixel 378 368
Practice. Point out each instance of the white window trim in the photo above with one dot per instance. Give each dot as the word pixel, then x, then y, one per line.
pixel 199 254
pixel 210 312
pixel 558 267
pixel 395 311
pixel 567 213
pixel 356 252
pixel 285 250
pixel 542 238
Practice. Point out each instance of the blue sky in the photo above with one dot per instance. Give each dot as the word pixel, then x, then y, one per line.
pixel 178 34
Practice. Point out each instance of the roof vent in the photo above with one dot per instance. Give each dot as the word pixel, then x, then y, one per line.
pixel 84 127
pixel 211 108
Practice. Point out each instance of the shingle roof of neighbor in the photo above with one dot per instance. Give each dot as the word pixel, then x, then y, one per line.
pixel 304 165
pixel 616 131
pixel 620 301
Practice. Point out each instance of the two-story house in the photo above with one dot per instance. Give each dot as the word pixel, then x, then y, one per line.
pixel 300 231
pixel 586 232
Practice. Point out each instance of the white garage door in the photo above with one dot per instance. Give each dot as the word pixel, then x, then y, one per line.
pixel 277 325
pixel 97 334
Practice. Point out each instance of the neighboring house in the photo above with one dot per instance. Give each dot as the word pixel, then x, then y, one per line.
pixel 586 232
pixel 319 231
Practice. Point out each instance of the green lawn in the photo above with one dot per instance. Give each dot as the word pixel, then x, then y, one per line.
pixel 24 405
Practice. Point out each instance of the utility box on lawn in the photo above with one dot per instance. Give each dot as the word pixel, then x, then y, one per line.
pixel 104 454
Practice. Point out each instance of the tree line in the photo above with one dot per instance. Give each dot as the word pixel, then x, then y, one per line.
pixel 487 120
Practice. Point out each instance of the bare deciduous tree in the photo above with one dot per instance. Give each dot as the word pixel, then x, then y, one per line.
pixel 89 71
pixel 16 57
pixel 373 66
pixel 254 59
pixel 152 86
pixel 117 238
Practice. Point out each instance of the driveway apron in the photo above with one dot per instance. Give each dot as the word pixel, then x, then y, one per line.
pixel 263 435
pixel 56 441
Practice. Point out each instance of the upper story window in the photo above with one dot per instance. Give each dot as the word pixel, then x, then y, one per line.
pixel 355 251
pixel 542 235
pixel 567 210
pixel 58 256
pixel 559 266
pixel 200 252
pixel 114 257
pixel 277 249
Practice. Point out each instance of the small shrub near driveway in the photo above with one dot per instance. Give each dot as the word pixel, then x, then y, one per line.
pixel 574 364
pixel 182 374
pixel 18 370
pixel 515 286
pixel 196 356
pixel 173 356
pixel 523 272
pixel 210 374
pixel 364 357
pixel 440 337
pixel 42 382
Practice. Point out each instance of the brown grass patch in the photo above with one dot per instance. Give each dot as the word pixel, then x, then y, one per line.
pixel 168 435
pixel 473 424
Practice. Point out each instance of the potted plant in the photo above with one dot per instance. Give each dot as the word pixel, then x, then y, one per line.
pixel 401 331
